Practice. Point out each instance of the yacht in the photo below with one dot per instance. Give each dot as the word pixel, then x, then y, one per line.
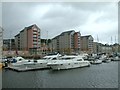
pixel 68 62
pixel 42 63
pixel 46 59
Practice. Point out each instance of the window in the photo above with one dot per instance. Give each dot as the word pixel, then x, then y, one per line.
pixel 75 63
pixel 35 61
pixel 79 60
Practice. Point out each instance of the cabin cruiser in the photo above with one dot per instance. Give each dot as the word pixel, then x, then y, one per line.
pixel 46 59
pixel 42 63
pixel 96 61
pixel 18 61
pixel 116 58
pixel 105 58
pixel 68 62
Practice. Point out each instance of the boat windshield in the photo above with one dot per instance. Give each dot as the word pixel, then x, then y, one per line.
pixel 79 59
pixel 67 58
pixel 54 58
pixel 48 58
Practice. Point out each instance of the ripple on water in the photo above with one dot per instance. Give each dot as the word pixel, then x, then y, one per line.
pixel 97 76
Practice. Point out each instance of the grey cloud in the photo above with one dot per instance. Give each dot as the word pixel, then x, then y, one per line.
pixel 59 17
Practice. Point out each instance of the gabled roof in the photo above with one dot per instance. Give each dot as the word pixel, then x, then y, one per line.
pixel 56 37
pixel 28 28
pixel 63 34
pixel 17 35
pixel 67 32
pixel 87 36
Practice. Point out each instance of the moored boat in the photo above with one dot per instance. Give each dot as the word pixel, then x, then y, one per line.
pixel 68 62
pixel 96 61
pixel 42 63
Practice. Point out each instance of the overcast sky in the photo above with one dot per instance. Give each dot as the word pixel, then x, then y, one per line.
pixel 90 18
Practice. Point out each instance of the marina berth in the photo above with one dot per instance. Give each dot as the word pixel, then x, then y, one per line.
pixel 68 62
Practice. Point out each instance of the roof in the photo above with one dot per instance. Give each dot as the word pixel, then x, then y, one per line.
pixel 87 36
pixel 63 33
pixel 28 28
pixel 17 35
pixel 67 32
pixel 56 37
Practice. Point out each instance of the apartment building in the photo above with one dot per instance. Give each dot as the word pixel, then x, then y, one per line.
pixel 115 48
pixel 54 45
pixel 28 38
pixel 77 37
pixel 105 48
pixel 17 41
pixel 97 47
pixel 9 44
pixel 67 42
pixel 87 44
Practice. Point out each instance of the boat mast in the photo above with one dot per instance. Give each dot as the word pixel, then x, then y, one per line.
pixel 10 41
pixel 111 40
pixel 47 43
pixel 97 44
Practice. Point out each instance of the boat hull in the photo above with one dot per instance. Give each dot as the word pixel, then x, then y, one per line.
pixel 59 66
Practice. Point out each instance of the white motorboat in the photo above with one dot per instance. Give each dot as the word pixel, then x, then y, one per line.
pixel 116 58
pixel 43 62
pixel 68 62
pixel 107 60
pixel 96 61
pixel 18 61
pixel 35 63
pixel 103 57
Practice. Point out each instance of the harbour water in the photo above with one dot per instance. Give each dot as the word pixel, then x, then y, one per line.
pixel 104 75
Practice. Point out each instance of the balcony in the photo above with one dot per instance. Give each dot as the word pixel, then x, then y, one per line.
pixel 35 33
pixel 35 43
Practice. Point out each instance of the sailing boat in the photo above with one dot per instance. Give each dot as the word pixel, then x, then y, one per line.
pixel 97 60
